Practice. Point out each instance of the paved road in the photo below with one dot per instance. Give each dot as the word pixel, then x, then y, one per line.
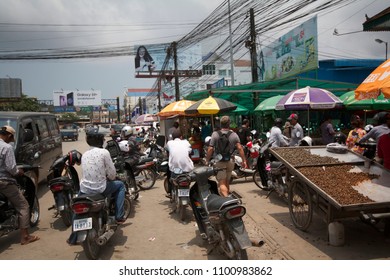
pixel 153 232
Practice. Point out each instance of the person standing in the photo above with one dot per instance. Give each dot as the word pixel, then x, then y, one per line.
pixel 172 130
pixel 9 186
pixel 383 146
pixel 244 133
pixel 227 164
pixel 327 131
pixel 355 135
pixel 276 136
pixel 296 130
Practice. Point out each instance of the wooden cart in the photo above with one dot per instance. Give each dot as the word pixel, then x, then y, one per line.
pixel 304 196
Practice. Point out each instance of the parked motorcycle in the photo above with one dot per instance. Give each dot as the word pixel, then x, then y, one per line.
pixel 94 215
pixel 180 193
pixel 252 149
pixel 9 220
pixel 219 218
pixel 64 183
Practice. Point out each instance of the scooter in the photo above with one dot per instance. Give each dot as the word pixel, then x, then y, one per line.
pixel 64 184
pixel 252 148
pixel 94 217
pixel 9 220
pixel 219 218
pixel 180 194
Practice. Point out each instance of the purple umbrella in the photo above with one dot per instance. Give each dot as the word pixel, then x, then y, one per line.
pixel 308 98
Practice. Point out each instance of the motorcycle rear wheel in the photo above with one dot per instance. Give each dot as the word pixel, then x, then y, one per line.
pixel 257 179
pixel 90 246
pixel 147 178
pixel 66 216
pixel 127 207
pixel 239 254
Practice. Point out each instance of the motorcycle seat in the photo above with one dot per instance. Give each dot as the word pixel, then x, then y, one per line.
pixel 63 179
pixel 91 197
pixel 276 164
pixel 216 202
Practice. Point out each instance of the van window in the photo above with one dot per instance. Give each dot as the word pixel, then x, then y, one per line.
pixel 53 126
pixel 41 125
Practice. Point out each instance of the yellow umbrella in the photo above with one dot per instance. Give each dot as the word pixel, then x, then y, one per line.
pixel 378 81
pixel 176 108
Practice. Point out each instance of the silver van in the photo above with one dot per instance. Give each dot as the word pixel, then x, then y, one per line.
pixel 37 140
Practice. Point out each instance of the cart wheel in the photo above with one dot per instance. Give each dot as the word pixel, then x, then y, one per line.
pixel 300 205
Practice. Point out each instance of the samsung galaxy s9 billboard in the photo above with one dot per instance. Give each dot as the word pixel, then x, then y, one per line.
pixel 69 98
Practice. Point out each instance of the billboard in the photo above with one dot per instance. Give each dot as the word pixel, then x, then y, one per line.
pixel 149 58
pixel 293 53
pixel 69 98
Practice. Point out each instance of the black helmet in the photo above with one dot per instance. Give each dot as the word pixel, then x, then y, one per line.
pixel 278 122
pixel 94 138
pixel 380 118
pixel 74 157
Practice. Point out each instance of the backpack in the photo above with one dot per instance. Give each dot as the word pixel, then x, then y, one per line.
pixel 223 145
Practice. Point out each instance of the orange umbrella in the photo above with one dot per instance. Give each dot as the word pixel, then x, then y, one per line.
pixel 376 83
pixel 176 108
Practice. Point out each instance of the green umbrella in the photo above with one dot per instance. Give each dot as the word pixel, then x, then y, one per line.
pixel 240 110
pixel 351 103
pixel 268 105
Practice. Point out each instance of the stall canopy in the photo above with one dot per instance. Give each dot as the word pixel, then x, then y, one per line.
pixel 245 95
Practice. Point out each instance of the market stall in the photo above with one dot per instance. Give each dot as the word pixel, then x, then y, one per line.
pixel 335 185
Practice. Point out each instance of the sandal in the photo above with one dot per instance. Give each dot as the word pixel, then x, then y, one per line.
pixel 30 239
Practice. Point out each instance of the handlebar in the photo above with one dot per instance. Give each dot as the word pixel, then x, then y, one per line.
pixel 27 167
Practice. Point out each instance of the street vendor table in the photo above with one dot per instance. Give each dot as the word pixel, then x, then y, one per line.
pixel 305 196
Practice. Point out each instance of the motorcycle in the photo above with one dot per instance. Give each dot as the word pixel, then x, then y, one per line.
pixel 94 215
pixel 180 192
pixel 64 184
pixel 219 218
pixel 272 175
pixel 9 220
pixel 155 151
pixel 143 170
pixel 252 154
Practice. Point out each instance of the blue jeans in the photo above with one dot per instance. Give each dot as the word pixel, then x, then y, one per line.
pixel 116 188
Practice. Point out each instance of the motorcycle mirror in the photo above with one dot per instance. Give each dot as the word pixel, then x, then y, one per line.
pixel 268 134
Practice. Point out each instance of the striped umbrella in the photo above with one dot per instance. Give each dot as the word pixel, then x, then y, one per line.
pixel 211 106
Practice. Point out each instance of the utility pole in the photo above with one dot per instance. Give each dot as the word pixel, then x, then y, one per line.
pixel 252 47
pixel 118 110
pixel 177 92
pixel 231 48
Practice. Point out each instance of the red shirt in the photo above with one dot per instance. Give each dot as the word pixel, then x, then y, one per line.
pixel 384 149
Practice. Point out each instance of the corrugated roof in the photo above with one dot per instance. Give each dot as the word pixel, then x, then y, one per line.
pixel 378 22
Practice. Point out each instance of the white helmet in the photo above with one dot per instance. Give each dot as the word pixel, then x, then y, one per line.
pixel 126 131
pixel 124 146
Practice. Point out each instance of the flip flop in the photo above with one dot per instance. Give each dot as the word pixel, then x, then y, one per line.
pixel 30 239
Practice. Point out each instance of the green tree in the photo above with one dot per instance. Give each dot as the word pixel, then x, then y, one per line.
pixel 26 104
pixel 69 117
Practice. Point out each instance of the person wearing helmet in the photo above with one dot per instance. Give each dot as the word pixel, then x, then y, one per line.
pixel 99 174
pixel 276 135
pixel 377 131
pixel 130 145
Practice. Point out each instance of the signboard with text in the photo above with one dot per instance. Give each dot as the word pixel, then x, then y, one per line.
pixel 293 53
pixel 68 98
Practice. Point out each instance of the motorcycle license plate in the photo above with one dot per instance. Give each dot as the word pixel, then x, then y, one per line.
pixel 82 224
pixel 183 192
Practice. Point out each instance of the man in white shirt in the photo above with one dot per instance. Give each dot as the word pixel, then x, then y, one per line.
pixel 179 155
pixel 296 131
pixel 276 136
pixel 97 167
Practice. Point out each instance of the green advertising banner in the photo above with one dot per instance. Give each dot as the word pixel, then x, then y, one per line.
pixel 293 53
